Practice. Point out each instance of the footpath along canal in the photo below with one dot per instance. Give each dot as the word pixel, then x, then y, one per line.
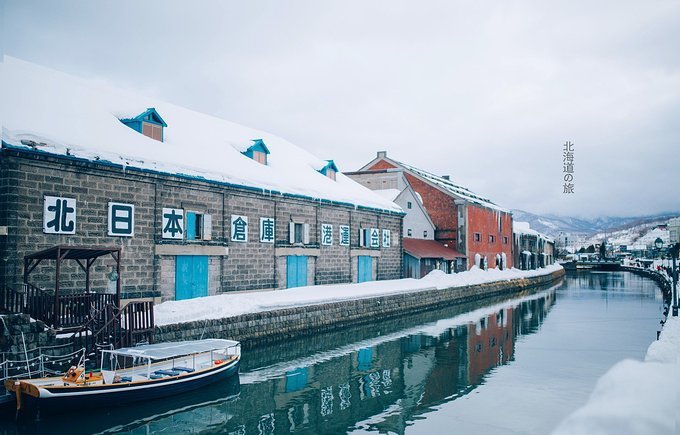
pixel 502 365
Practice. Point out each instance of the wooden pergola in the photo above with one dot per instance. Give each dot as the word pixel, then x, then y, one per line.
pixel 84 256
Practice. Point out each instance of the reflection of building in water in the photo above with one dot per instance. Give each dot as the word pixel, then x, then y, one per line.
pixel 490 343
pixel 384 384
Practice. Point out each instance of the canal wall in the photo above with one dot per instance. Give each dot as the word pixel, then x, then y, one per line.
pixel 19 334
pixel 661 279
pixel 255 329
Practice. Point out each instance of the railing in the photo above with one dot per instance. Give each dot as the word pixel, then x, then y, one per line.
pixel 39 366
pixel 75 310
pixel 111 326
pixel 12 301
pixel 71 310
pixel 139 322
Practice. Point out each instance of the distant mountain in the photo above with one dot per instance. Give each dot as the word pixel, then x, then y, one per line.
pixel 552 225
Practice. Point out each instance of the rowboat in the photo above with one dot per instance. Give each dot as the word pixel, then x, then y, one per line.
pixel 133 374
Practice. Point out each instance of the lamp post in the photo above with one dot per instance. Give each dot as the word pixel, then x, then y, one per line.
pixel 674 248
pixel 658 244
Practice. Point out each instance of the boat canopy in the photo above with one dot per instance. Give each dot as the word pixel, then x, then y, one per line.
pixel 173 349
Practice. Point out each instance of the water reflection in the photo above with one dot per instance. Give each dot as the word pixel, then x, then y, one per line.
pixel 384 382
pixel 377 377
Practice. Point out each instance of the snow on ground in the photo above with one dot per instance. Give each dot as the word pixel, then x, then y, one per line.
pixel 635 397
pixel 234 304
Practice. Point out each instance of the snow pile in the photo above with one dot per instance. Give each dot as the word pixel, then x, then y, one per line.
pixel 635 397
pixel 58 114
pixel 234 304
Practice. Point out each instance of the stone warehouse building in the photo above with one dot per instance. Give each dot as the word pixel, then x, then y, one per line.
pixel 531 248
pixel 198 205
pixel 476 229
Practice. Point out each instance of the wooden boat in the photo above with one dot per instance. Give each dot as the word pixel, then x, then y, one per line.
pixel 134 374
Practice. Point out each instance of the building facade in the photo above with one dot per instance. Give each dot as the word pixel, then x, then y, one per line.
pixel 471 225
pixel 532 249
pixel 197 205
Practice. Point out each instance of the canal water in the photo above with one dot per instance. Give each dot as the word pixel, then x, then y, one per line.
pixel 502 366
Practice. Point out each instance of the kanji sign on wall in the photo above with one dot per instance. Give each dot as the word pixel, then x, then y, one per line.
pixel 267 228
pixel 344 235
pixel 173 223
pixel 375 238
pixel 59 215
pixel 326 234
pixel 239 228
pixel 386 238
pixel 121 219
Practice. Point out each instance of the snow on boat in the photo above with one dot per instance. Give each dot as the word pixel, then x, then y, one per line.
pixel 134 374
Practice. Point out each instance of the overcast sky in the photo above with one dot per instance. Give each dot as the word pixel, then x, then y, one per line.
pixel 486 92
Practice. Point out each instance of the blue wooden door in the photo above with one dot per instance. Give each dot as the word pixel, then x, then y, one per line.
pixel 296 271
pixel 365 268
pixel 200 279
pixel 191 276
pixel 183 277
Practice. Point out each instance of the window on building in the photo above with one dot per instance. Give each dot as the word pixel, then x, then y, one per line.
pixel 299 233
pixel 260 157
pixel 330 170
pixel 492 238
pixel 409 232
pixel 198 226
pixel 409 205
pixel 505 240
pixel 478 237
pixel 425 233
pixel 152 130
pixel 258 151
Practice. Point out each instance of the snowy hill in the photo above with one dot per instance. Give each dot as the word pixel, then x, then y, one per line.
pixel 553 224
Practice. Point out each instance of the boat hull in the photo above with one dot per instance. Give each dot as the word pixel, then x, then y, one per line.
pixel 124 393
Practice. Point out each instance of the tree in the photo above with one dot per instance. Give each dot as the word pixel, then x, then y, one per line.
pixel 582 250
pixel 591 249
pixel 603 249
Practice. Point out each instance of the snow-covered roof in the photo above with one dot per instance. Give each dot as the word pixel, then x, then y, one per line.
pixel 519 227
pixel 390 194
pixel 453 188
pixel 50 112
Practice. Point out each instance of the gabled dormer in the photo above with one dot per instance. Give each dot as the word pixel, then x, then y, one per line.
pixel 330 170
pixel 258 151
pixel 149 123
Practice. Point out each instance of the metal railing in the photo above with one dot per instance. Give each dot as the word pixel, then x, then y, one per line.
pixel 40 366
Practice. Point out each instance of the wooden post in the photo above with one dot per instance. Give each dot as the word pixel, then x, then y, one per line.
pixel 55 313
pixel 118 282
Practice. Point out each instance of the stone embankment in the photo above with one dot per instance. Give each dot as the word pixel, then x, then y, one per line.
pixel 19 334
pixel 271 326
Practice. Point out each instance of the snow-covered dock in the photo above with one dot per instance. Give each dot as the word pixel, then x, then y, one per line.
pixel 270 316
pixel 235 304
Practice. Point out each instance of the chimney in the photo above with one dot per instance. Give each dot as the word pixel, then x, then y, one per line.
pixel 446 177
pixel 382 154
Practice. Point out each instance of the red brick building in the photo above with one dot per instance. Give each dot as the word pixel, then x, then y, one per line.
pixel 475 226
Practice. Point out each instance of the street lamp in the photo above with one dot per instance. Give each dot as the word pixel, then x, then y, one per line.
pixel 674 230
pixel 658 244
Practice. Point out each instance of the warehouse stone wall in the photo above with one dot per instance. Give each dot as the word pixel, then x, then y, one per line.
pixel 272 326
pixel 148 263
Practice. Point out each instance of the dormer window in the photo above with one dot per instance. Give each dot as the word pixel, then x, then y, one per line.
pixel 258 151
pixel 153 131
pixel 330 170
pixel 149 123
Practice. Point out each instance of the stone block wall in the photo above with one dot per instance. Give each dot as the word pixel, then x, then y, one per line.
pixel 14 345
pixel 148 260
